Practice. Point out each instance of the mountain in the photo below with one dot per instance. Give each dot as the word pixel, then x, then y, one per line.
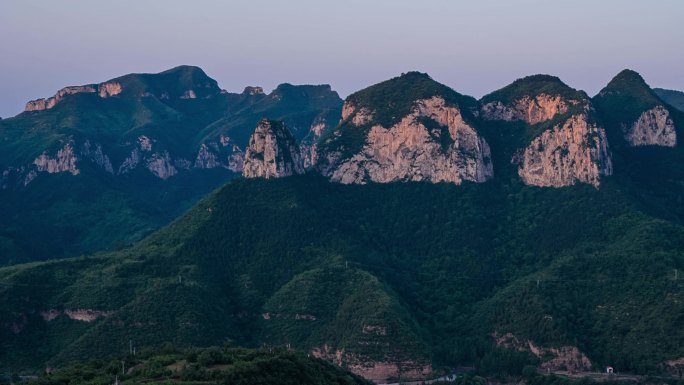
pixel 269 256
pixel 634 111
pixel 272 152
pixel 409 128
pixel 98 166
pixel 552 134
pixel 396 279
pixel 672 97
pixel 386 279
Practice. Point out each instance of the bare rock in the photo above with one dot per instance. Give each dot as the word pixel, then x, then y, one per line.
pixel 433 143
pixel 575 151
pixel 654 127
pixel 272 152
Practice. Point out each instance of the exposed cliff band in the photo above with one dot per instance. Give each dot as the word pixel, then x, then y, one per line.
pixel 272 152
pixel 574 151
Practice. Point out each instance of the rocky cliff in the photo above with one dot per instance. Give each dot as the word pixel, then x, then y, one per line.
pixel 272 152
pixel 429 139
pixel 574 151
pixel 183 82
pixel 562 143
pixel 634 111
pixel 104 90
pixel 654 127
pixel 532 110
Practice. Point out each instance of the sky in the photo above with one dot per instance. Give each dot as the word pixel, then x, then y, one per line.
pixel 473 46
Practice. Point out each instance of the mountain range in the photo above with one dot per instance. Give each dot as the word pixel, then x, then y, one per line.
pixel 405 231
pixel 97 167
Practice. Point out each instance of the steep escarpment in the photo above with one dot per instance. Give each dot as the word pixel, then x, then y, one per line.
pixel 272 152
pixel 635 112
pixel 184 82
pixel 409 128
pixel 558 140
pixel 574 151
pixel 140 148
pixel 534 99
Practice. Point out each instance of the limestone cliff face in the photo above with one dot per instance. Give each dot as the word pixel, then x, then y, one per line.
pixel 206 158
pixel 272 152
pixel 433 143
pixel 161 165
pixel 103 90
pixel 63 161
pixel 535 110
pixel 308 145
pixel 574 151
pixel 654 127
pixel 376 370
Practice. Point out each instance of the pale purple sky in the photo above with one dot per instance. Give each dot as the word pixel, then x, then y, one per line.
pixel 475 46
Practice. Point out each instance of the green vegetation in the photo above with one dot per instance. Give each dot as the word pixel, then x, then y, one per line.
pixel 389 102
pixel 671 97
pixel 96 210
pixel 532 86
pixel 402 273
pixel 214 365
pixel 623 100
pixel 440 266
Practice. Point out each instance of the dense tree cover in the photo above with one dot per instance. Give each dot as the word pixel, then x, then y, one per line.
pixel 95 210
pixel 453 264
pixel 532 86
pixel 624 98
pixel 426 272
pixel 672 97
pixel 202 366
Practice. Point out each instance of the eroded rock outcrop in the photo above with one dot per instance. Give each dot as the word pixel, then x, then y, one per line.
pixel 433 143
pixel 564 358
pixel 272 152
pixel 654 127
pixel 63 161
pixel 104 90
pixel 377 370
pixel 532 110
pixel 206 158
pixel 161 165
pixel 308 146
pixel 574 151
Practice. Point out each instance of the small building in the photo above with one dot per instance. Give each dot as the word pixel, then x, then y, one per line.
pixel 609 370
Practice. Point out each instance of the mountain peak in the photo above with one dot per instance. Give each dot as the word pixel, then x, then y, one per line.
pixel 628 75
pixel 272 152
pixel 629 83
pixel 533 86
pixel 395 98
pixel 185 69
pixel 635 111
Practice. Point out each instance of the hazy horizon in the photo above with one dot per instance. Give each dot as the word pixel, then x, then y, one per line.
pixel 474 48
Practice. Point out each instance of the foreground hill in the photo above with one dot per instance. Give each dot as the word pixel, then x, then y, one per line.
pixel 201 366
pixel 98 166
pixel 386 279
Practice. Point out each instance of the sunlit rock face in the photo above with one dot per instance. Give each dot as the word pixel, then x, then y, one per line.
pixel 654 127
pixel 574 151
pixel 272 152
pixel 433 143
pixel 532 110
